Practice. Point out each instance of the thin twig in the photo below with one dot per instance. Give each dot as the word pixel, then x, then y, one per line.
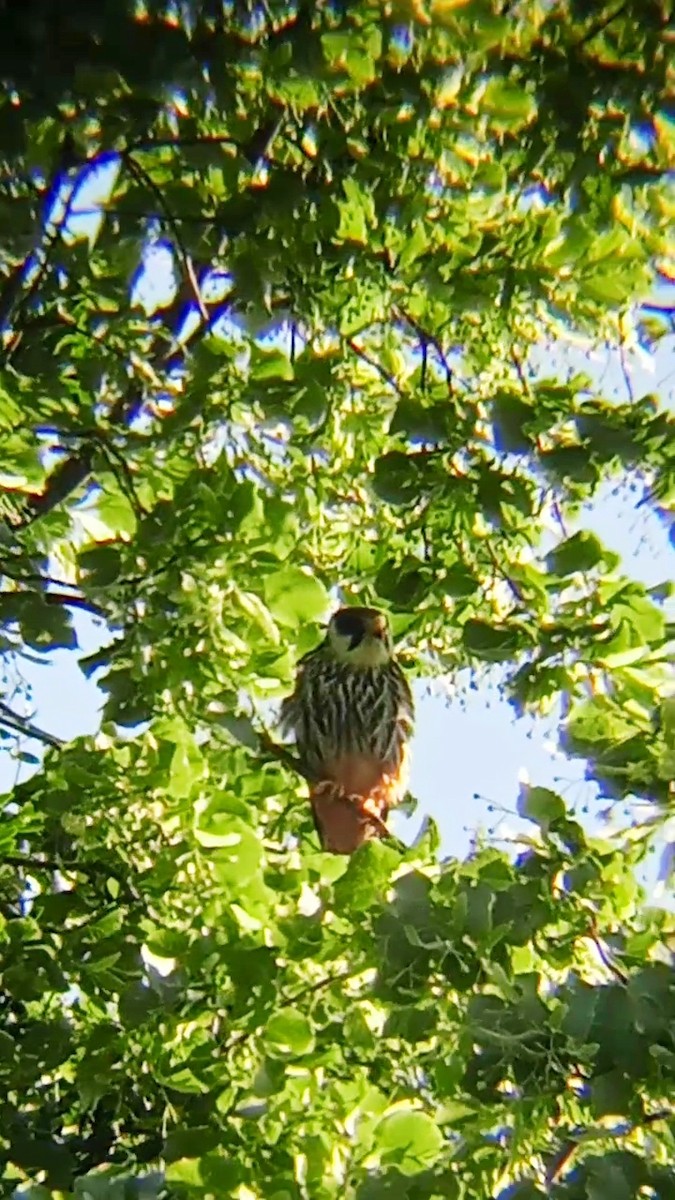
pixel 625 371
pixel 116 455
pixel 520 372
pixel 562 1156
pixel 372 362
pixel 512 585
pixel 613 967
pixel 428 339
pixel 140 173
pixel 601 24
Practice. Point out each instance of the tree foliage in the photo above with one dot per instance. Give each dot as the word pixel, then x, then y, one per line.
pixel 374 217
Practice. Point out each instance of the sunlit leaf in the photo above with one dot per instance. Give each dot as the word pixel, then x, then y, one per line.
pixel 295 596
pixel 410 1140
pixel 289 1032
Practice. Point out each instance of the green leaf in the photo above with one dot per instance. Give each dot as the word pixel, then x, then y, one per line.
pixel 189 1142
pixel 594 724
pixel 511 107
pixel 643 616
pixel 237 853
pixel 289 1033
pixel 366 878
pixel 612 287
pixel 612 1095
pixel 581 552
pixel 295 597
pixel 541 805
pixel 396 478
pixel 414 246
pixel 492 643
pixel 409 1140
pixel 117 515
pixel 357 212
pixel 420 422
pixel 459 581
pixel 354 52
pixel 184 1171
pixel 137 1004
pixel 668 721
pixel 269 364
pixel 102 565
pixel 167 943
pixel 93 1187
pixel 186 769
pixel 253 606
pixel 510 415
pixel 404 584
pixel 580 1014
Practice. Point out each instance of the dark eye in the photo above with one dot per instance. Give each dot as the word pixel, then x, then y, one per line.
pixel 350 626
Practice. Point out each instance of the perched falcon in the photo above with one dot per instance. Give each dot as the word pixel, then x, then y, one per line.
pixel 352 716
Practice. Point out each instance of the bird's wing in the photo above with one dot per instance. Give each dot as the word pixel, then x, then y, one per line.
pixel 288 713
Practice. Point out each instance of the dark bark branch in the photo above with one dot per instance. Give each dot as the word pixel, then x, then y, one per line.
pixel 65 601
pixel 377 366
pixel 273 750
pixel 64 479
pixel 61 599
pixel 19 724
pixel 92 870
pixel 254 149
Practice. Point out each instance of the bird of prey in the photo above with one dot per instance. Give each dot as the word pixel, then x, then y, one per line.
pixel 352 716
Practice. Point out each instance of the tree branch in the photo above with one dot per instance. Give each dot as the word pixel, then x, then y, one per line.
pixel 20 725
pixel 140 173
pixel 69 475
pixel 579 1138
pixel 428 339
pixel 601 24
pixel 91 870
pixel 253 149
pixel 37 259
pixel 62 599
pixel 372 362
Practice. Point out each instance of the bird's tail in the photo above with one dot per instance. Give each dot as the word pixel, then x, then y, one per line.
pixel 345 822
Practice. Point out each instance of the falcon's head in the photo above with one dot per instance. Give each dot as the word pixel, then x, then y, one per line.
pixel 360 637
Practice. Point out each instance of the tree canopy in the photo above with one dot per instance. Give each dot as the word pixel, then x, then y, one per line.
pixel 375 222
